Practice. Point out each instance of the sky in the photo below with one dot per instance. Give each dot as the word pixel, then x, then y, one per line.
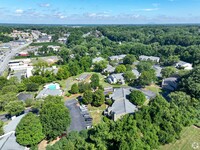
pixel 99 11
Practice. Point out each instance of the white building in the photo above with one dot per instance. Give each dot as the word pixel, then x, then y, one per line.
pixel 184 65
pixel 55 48
pixel 97 59
pixel 116 78
pixel 151 58
pixel 117 57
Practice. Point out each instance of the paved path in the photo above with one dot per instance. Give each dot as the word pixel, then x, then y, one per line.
pixel 77 120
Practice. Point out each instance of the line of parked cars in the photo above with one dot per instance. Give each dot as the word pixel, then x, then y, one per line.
pixel 88 119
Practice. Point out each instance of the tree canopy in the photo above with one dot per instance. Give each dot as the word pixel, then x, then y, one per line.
pixel 29 130
pixel 54 117
pixel 137 97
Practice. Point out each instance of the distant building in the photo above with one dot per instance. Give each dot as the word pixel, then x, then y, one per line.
pixel 83 77
pixel 170 83
pixel 149 58
pixel 136 73
pixel 18 62
pixel 116 78
pixel 25 96
pixel 97 59
pixel 52 89
pixel 158 70
pixel 109 69
pixel 121 105
pixel 55 48
pixel 20 68
pixel 23 54
pixel 44 38
pixel 184 65
pixel 62 40
pixel 118 58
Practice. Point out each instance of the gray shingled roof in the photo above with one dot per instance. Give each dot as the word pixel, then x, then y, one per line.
pixel 24 96
pixel 158 70
pixel 109 69
pixel 121 104
pixel 181 63
pixel 136 73
pixel 170 83
pixel 8 142
pixel 97 59
pixel 153 58
pixel 117 57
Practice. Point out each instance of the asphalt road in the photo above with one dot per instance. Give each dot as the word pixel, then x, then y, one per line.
pixel 77 120
pixel 8 56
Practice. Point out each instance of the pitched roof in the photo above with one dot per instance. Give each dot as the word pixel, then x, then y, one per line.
pixel 8 140
pixel 97 59
pixel 136 73
pixel 158 70
pixel 118 76
pixel 121 104
pixel 117 57
pixel 170 83
pixel 109 69
pixel 149 57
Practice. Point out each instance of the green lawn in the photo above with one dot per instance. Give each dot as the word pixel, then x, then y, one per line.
pixel 154 88
pixel 190 140
pixel 96 113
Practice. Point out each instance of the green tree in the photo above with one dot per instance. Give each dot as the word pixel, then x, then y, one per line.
pixel 6 98
pixel 129 59
pixel 74 89
pixel 171 60
pixel 168 71
pixel 3 81
pixel 15 107
pixel 84 87
pixel 29 130
pixel 120 69
pixel 63 73
pixel 32 87
pixel 94 81
pixel 144 66
pixel 129 76
pixel 54 117
pixel 9 88
pixel 98 98
pixel 1 127
pixel 100 66
pixel 137 97
pixel 87 97
pixel 190 83
pixel 147 77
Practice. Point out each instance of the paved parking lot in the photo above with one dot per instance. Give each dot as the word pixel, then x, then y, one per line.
pixel 77 120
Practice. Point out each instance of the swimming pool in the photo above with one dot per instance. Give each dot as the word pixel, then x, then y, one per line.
pixel 52 86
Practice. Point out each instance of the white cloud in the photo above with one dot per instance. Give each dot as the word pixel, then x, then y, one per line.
pixel 148 9
pixel 19 11
pixel 98 15
pixel 44 5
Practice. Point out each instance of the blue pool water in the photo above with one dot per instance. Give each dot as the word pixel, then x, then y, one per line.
pixel 52 87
